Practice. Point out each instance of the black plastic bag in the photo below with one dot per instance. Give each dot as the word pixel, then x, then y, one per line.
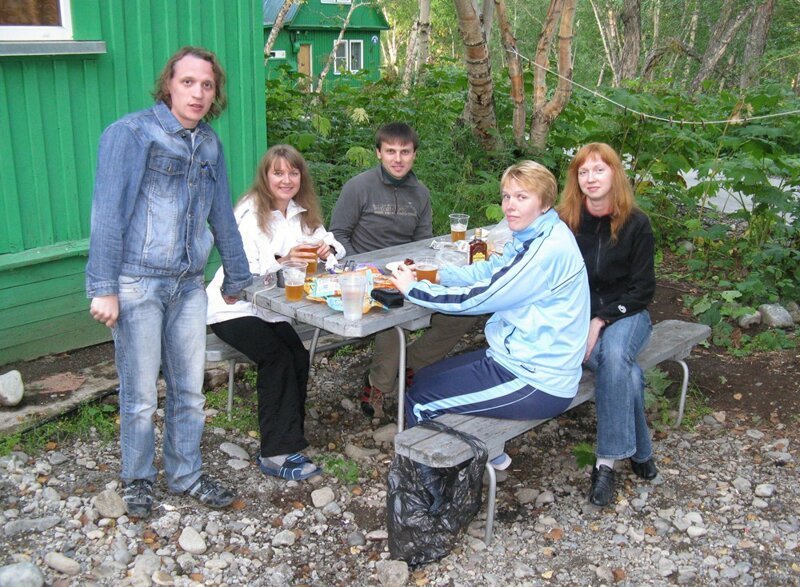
pixel 427 508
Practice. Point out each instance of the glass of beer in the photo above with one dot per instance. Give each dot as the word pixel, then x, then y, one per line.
pixel 310 245
pixel 294 278
pixel 427 268
pixel 458 227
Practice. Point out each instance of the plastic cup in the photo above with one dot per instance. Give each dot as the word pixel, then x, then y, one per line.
pixel 310 245
pixel 427 268
pixel 458 227
pixel 294 278
pixel 352 286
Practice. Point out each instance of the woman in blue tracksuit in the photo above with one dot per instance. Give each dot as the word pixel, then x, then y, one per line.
pixel 538 293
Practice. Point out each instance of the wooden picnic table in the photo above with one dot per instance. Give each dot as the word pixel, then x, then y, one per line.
pixel 321 317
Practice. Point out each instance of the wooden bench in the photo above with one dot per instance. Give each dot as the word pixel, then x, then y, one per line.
pixel 218 350
pixel 672 340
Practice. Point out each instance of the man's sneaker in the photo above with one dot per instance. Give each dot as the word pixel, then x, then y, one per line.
pixel 138 498
pixel 210 492
pixel 371 399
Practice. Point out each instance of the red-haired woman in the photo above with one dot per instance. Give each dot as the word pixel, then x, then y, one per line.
pixel 616 240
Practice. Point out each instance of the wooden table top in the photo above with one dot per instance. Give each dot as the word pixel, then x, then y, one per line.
pixel 318 314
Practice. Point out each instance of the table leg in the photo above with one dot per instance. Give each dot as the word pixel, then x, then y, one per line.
pixel 401 379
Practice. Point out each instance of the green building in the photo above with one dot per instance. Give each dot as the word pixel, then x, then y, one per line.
pixel 68 68
pixel 310 31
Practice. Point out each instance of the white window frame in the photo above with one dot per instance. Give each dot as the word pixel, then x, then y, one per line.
pixel 349 45
pixel 42 33
pixel 336 44
pixel 277 54
pixel 360 44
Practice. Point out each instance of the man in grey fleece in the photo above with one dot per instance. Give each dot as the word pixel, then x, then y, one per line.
pixel 383 207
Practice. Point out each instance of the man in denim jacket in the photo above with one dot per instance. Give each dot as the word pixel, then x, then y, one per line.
pixel 161 201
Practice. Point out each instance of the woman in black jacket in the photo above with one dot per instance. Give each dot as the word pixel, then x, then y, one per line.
pixel 616 240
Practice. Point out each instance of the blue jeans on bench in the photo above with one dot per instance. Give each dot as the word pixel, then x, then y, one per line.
pixel 622 430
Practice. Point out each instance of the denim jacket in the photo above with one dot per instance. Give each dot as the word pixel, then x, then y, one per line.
pixel 160 204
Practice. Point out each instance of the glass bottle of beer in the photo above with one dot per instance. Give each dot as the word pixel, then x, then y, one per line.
pixel 477 247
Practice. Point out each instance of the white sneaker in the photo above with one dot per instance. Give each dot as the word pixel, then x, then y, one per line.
pixel 501 462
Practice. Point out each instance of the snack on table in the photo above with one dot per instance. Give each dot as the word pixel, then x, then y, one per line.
pixel 408 261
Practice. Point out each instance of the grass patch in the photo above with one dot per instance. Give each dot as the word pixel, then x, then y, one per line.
pixel 244 418
pixel 90 420
pixel 344 469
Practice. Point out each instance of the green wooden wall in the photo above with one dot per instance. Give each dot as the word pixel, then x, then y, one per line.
pixel 53 109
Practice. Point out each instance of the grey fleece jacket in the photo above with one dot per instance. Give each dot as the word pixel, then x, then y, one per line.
pixel 372 214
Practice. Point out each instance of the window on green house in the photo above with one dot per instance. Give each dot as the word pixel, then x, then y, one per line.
pixel 349 57
pixel 35 20
pixel 279 54
pixel 356 56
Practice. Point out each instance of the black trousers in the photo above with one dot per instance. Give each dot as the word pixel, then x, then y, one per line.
pixel 282 382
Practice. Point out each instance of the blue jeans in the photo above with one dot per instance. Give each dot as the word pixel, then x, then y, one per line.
pixel 162 325
pixel 622 430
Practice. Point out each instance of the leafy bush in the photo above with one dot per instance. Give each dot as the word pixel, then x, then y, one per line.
pixel 756 249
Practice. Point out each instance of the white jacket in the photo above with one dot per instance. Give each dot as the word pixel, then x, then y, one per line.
pixel 261 250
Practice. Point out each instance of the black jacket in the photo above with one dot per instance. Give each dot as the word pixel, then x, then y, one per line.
pixel 622 277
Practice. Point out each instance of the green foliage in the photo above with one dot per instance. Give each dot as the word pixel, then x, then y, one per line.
pixel 752 256
pixel 344 469
pixel 91 420
pixel 584 454
pixel 244 419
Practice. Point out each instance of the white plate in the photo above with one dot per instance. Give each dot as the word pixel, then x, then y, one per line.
pixel 393 265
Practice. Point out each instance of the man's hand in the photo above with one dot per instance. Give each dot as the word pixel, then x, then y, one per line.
pixel 231 299
pixel 105 309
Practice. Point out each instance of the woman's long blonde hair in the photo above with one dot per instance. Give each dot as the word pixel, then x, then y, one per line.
pixel 264 200
pixel 572 198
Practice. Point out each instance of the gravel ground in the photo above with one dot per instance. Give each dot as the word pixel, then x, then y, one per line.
pixel 725 510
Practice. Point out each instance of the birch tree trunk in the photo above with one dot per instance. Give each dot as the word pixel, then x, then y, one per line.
pixel 545 112
pixel 332 57
pixel 276 28
pixel 632 38
pixel 756 42
pixel 692 38
pixel 514 72
pixel 720 37
pixel 411 58
pixel 389 44
pixel 480 96
pixel 608 35
pixel 423 35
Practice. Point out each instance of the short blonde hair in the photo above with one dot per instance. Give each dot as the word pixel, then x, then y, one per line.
pixel 535 177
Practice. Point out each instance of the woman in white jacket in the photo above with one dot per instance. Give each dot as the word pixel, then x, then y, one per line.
pixel 279 211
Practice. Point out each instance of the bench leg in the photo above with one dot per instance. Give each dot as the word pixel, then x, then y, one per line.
pixel 401 379
pixel 490 504
pixel 684 387
pixel 312 351
pixel 231 371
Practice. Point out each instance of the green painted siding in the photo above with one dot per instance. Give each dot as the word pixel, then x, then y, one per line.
pixel 52 112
